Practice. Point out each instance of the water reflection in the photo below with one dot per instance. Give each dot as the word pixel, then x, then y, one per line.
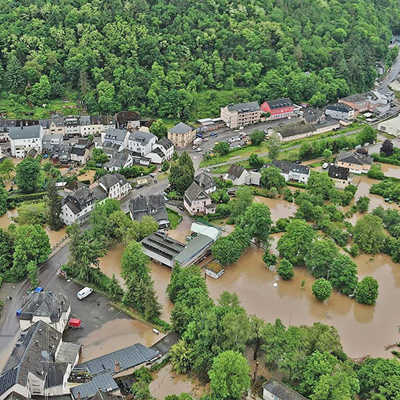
pixel 279 208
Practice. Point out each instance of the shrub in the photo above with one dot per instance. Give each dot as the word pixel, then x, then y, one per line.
pixel 322 289
pixel 285 269
pixel 367 291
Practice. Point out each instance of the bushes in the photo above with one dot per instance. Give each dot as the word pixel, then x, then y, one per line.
pixel 32 213
pixel 285 269
pixel 19 198
pixel 375 172
pixel 387 189
pixel 367 291
pixel 322 289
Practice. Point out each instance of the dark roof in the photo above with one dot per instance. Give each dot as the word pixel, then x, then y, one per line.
pixel 55 374
pixel 166 143
pixel 162 244
pixel 244 107
pixel 104 382
pixel 279 103
pixel 84 120
pixel 33 353
pixel 338 172
pixel 354 157
pixel 181 128
pixel 25 132
pixel 109 180
pixel 103 395
pixel 80 199
pixel 153 205
pixel 235 171
pixel 312 115
pixel 118 159
pixel 141 137
pixel 195 192
pixel 288 166
pixel 339 107
pixel 115 134
pixel 204 180
pixel 281 391
pixel 79 150
pixel 44 304
pixel 128 357
pixel 165 343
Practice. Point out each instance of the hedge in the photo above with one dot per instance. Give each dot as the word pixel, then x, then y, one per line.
pixel 385 160
pixel 19 198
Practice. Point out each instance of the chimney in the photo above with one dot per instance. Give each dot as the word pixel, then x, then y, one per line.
pixel 117 367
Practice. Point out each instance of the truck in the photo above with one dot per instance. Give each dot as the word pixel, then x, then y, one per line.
pixel 197 141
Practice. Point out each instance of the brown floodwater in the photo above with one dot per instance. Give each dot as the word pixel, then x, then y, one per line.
pixel 87 176
pixel 182 230
pixel 389 170
pixel 167 382
pixel 111 264
pixel 279 208
pixel 115 335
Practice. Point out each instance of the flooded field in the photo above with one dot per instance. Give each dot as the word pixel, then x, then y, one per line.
pixel 167 382
pixel 182 230
pixel 389 170
pixel 363 329
pixel 115 335
pixel 279 208
pixel 87 176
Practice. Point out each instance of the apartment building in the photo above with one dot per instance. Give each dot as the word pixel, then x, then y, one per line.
pixel 242 114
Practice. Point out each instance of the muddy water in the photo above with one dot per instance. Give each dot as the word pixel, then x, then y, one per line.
pixel 363 329
pixel 182 230
pixel 167 382
pixel 115 335
pixel 279 208
pixel 111 264
pixel 6 219
pixel 389 170
pixel 55 237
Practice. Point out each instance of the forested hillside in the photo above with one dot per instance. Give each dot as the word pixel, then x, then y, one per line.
pixel 161 57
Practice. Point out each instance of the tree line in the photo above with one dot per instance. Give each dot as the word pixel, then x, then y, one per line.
pixel 156 57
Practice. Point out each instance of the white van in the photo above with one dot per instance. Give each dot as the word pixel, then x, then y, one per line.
pixel 83 293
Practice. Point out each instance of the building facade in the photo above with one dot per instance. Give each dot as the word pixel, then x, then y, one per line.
pixel 197 201
pixel 355 161
pixel 141 142
pixel 115 186
pixel 25 138
pixel 278 109
pixel 340 111
pixel 242 114
pixel 182 135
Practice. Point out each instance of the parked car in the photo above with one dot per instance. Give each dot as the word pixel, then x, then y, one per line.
pixel 213 134
pixel 325 165
pixel 83 293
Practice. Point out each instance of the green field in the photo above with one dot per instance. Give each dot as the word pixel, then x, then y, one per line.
pixel 174 218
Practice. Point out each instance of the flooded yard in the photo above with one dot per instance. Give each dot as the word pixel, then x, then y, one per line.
pixel 115 335
pixel 279 208
pixel 87 176
pixel 392 171
pixel 167 382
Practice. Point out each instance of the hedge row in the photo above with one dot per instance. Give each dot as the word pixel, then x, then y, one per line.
pixel 19 198
pixel 385 160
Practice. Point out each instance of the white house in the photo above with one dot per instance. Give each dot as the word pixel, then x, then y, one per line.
pixel 25 138
pixel 72 127
pixel 141 142
pixel 80 154
pixel 206 182
pixel 339 111
pixel 167 146
pixel 115 186
pixel 274 390
pixel 163 150
pixel 152 205
pixel 237 174
pixel 90 125
pixel 40 364
pixel 197 201
pixel 118 160
pixel 118 138
pixel 53 309
pixel 78 205
pixel 292 171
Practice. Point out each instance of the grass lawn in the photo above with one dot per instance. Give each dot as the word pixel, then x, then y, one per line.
pixel 174 218
pixel 15 107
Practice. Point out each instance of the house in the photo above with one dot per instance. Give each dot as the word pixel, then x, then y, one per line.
pixel 102 370
pixel 116 137
pixel 50 142
pixel 77 206
pixel 359 102
pixel 197 201
pixel 118 160
pixel 163 150
pixel 25 138
pixel 237 174
pixel 53 309
pixel 80 153
pixel 57 125
pixel 206 182
pixel 181 135
pixel 292 171
pixel 39 364
pixel 341 174
pixel 313 115
pixel 278 109
pixel 152 205
pixel 274 390
pixel 141 142
pixel 242 114
pixel 356 161
pixel 72 127
pixel 90 125
pixel 339 111
pixel 391 126
pixel 115 186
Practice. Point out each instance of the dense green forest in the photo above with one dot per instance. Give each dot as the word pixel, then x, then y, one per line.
pixel 167 57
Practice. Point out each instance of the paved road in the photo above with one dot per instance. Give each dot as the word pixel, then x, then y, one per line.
pixel 383 86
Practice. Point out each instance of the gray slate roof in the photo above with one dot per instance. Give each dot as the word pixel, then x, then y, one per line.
pixel 287 166
pixel 278 103
pixel 353 157
pixel 80 199
pixel 339 107
pixel 115 134
pixel 109 180
pixel 193 248
pixel 281 391
pixel 244 107
pixel 181 128
pixel 195 192
pixel 79 150
pixel 204 180
pixel 162 244
pixel 235 171
pixel 44 304
pixel 25 132
pixel 104 382
pixel 165 142
pixel 128 357
pixel 141 137
pixel 338 172
pixel 153 205
pixel 33 353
